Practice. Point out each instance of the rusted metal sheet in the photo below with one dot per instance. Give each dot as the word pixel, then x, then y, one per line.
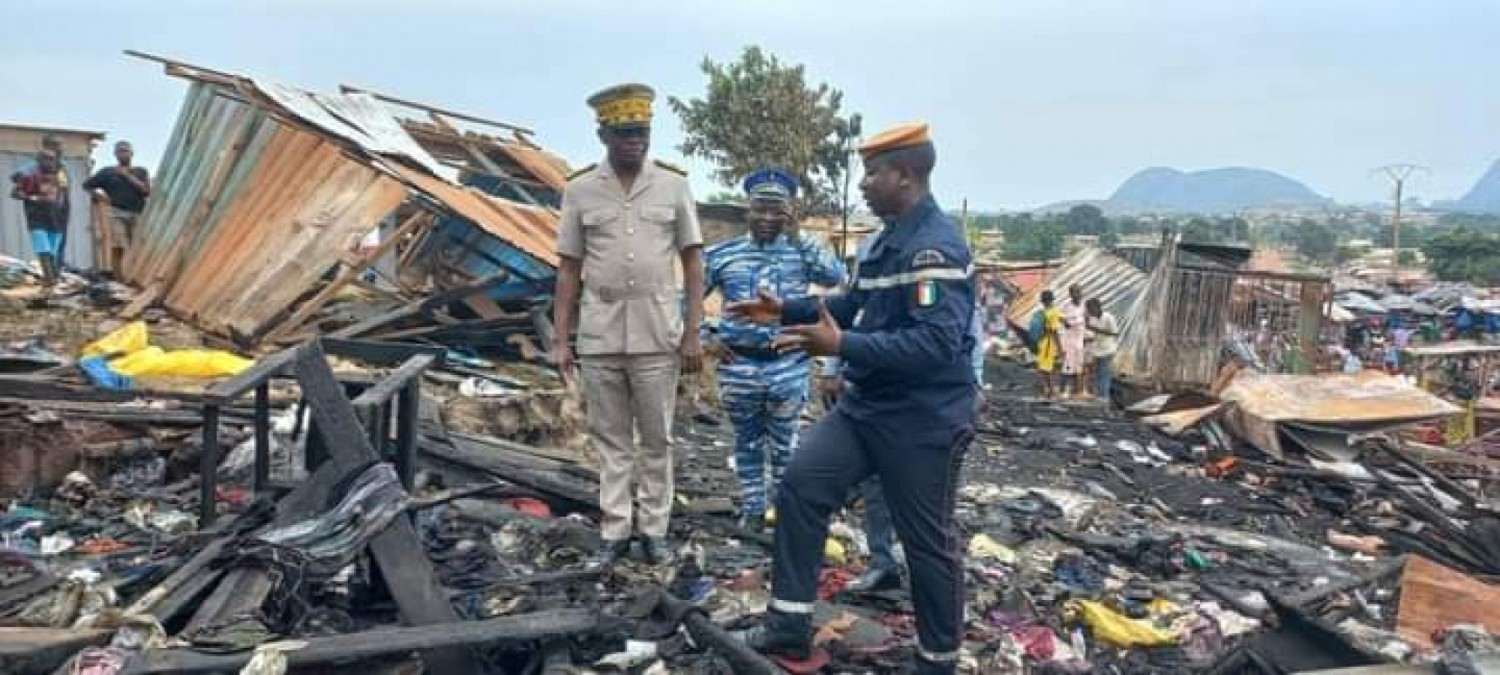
pixel 1434 597
pixel 249 213
pixel 265 188
pixel 531 229
pixel 1115 282
pixel 546 167
pixel 292 219
pixel 1334 402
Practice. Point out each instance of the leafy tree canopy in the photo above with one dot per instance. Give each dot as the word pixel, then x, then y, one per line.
pixel 759 112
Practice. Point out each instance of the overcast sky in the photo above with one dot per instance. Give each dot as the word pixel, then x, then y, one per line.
pixel 1031 101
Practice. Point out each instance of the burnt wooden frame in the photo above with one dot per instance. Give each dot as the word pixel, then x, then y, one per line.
pixel 337 422
pixel 399 391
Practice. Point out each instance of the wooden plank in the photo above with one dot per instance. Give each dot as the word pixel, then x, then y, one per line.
pixel 1434 597
pixel 23 591
pixel 549 480
pixel 245 590
pixel 264 369
pixel 383 641
pixel 142 301
pixel 178 578
pixel 484 306
pixel 398 551
pixel 369 324
pixel 28 651
pixel 1390 669
pixel 392 384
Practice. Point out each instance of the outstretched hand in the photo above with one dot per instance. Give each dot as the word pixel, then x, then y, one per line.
pixel 819 339
pixel 765 309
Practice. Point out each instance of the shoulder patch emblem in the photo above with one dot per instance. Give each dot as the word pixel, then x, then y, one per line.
pixel 929 257
pixel 927 293
pixel 671 167
pixel 582 171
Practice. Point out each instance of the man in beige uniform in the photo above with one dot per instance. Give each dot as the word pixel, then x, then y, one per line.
pixel 623 223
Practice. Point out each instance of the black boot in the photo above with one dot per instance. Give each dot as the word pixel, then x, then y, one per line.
pixel 49 269
pixel 659 551
pixel 610 552
pixel 783 634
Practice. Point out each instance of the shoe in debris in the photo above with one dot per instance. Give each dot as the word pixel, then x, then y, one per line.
pixel 611 552
pixel 659 551
pixel 874 580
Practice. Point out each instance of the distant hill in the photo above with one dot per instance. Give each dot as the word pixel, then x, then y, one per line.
pixel 1214 191
pixel 1484 197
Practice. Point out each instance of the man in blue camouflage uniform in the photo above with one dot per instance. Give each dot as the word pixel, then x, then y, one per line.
pixel 763 391
pixel 907 415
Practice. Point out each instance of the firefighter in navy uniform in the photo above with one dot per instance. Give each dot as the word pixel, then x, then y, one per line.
pixel 907 414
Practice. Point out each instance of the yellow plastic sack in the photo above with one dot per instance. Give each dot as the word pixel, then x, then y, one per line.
pixel 154 362
pixel 834 552
pixel 1119 630
pixel 984 547
pixel 127 339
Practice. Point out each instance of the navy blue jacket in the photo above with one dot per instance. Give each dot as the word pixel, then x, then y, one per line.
pixel 907 344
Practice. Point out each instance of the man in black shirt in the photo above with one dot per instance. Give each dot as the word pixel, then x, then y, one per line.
pixel 125 187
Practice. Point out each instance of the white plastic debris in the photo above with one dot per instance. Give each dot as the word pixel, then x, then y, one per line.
pixel 636 653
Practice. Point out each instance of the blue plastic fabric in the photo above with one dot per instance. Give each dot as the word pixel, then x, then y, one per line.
pixel 97 370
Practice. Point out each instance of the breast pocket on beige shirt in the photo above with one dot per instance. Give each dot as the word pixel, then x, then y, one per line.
pixel 663 218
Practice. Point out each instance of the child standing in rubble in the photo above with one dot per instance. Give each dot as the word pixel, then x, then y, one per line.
pixel 43 193
pixel 1048 347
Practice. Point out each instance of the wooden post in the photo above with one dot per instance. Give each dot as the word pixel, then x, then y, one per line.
pixel 1310 322
pixel 208 466
pixel 262 437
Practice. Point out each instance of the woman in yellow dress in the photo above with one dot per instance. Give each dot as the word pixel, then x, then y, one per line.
pixel 1048 345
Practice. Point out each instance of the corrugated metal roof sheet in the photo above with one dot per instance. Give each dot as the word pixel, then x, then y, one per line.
pixel 265 187
pixel 249 213
pixel 547 168
pixel 357 118
pixel 1101 274
pixel 528 228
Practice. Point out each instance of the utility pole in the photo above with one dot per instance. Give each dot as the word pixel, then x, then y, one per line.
pixel 1398 173
pixel 851 134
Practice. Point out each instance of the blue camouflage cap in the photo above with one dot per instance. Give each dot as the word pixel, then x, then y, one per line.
pixel 771 184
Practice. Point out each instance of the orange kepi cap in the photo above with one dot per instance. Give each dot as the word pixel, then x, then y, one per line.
pixel 902 136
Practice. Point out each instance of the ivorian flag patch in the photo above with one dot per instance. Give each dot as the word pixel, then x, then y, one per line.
pixel 927 293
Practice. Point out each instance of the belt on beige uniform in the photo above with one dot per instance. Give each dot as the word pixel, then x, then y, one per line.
pixel 639 292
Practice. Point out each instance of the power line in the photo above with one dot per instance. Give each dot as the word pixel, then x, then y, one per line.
pixel 1397 173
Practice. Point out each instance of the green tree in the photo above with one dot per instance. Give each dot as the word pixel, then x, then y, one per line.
pixel 1464 255
pixel 1086 219
pixel 758 112
pixel 1202 230
pixel 1316 240
pixel 1028 238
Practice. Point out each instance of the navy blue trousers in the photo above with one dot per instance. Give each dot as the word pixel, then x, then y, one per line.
pixel 919 470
